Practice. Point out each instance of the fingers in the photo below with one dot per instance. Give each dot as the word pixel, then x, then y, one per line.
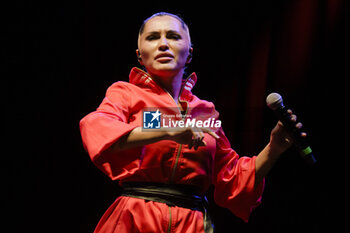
pixel 292 116
pixel 198 136
pixel 298 125
pixel 210 132
pixel 198 140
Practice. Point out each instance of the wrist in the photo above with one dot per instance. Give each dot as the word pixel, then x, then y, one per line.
pixel 274 151
pixel 166 134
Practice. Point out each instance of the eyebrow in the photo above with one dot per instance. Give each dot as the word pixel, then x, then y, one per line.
pixel 157 32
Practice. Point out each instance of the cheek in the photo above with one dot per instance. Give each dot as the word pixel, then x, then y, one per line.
pixel 145 54
pixel 146 49
pixel 182 53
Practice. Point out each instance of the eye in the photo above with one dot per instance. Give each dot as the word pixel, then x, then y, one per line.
pixel 174 36
pixel 152 37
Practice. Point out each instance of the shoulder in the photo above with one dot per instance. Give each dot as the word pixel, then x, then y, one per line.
pixel 122 87
pixel 205 108
pixel 203 103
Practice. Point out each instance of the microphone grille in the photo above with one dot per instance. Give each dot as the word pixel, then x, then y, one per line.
pixel 274 101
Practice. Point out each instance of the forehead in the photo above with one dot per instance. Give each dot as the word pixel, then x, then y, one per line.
pixel 163 23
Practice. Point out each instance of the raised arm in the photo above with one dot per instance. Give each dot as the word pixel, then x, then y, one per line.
pixel 280 141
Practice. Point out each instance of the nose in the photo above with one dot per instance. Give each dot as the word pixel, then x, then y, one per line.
pixel 163 44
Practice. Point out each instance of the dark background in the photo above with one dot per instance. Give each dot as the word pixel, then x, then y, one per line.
pixel 59 57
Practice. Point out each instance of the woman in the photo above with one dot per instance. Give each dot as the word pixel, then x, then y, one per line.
pixel 166 172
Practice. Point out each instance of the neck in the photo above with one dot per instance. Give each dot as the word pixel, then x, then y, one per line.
pixel 171 83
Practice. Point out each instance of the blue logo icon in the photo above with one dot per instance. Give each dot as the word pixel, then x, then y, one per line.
pixel 151 119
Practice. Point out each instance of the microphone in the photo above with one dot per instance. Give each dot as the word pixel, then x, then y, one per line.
pixel 275 102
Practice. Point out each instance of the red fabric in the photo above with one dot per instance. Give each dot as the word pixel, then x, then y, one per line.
pixel 129 214
pixel 217 163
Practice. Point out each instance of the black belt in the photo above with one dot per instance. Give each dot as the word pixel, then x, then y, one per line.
pixel 184 196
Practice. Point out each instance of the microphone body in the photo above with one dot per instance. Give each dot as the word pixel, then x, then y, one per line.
pixel 275 102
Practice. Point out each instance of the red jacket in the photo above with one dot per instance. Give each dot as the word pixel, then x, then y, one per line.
pixel 164 161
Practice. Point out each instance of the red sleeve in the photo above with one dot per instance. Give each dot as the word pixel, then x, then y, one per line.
pixel 103 127
pixel 234 180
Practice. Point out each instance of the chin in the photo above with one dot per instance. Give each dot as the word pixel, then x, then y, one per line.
pixel 165 69
pixel 165 66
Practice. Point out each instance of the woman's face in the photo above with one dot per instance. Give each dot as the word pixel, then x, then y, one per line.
pixel 164 46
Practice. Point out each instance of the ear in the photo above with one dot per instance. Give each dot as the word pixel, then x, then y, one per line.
pixel 189 57
pixel 138 54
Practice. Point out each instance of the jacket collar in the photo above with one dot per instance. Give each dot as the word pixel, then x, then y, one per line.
pixel 140 78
